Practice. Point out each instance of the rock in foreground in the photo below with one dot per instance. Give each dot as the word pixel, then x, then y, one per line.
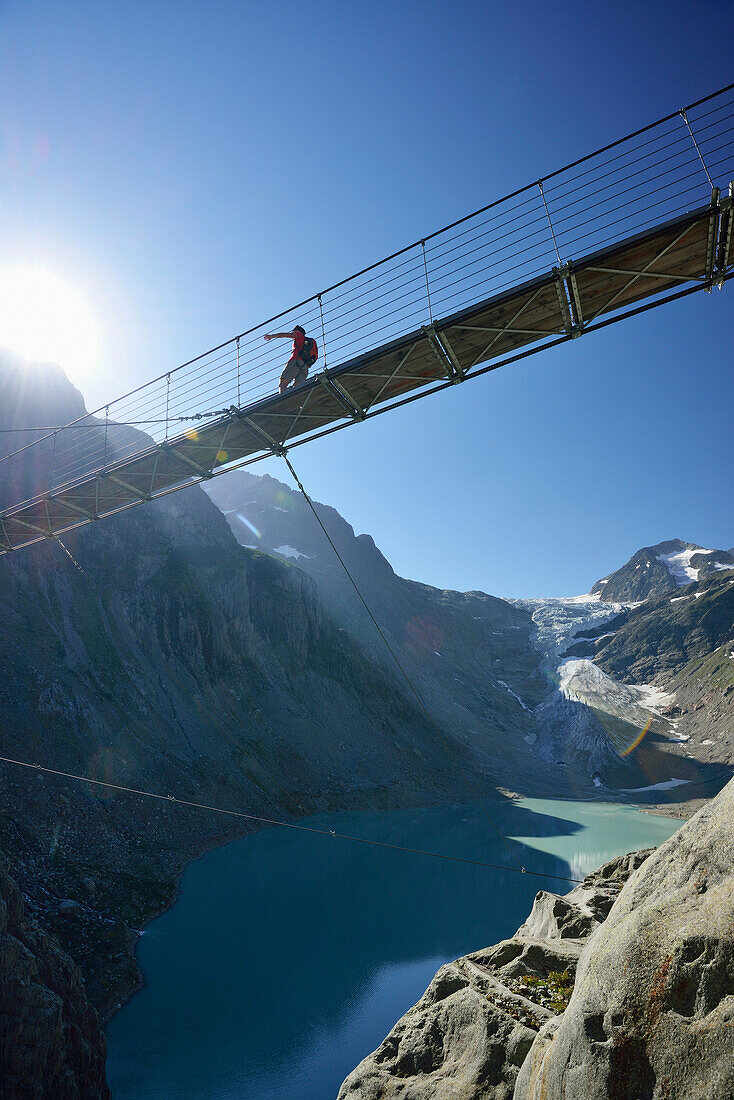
pixel 621 990
pixel 652 1014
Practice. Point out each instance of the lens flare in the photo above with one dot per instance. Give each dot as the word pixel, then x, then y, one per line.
pixel 639 739
pixel 248 525
pixel 423 635
pixel 101 767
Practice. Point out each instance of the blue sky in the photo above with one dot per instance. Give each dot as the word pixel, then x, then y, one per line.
pixel 194 168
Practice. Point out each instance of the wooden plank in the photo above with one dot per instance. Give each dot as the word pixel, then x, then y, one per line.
pixel 684 256
pixel 83 495
pixel 600 295
pixel 688 247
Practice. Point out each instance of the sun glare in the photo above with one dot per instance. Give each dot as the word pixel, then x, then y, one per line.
pixel 44 319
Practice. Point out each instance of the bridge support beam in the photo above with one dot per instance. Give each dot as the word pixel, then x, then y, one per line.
pixel 563 299
pixel 273 445
pixel 723 251
pixel 8 543
pixel 342 395
pixel 445 354
pixel 573 298
pixel 712 239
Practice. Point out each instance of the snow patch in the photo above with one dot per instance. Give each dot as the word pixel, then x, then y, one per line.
pixel 679 565
pixel 650 697
pixel 513 694
pixel 291 552
pixel 666 786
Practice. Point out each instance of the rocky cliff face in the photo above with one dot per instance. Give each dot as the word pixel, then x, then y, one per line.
pixel 163 656
pixel 621 990
pixel 51 1044
pixel 566 685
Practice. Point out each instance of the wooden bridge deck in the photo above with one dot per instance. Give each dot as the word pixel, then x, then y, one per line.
pixel 560 305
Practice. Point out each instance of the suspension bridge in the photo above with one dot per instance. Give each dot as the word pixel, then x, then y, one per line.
pixel 644 221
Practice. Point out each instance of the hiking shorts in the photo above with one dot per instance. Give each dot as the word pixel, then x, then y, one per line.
pixel 296 371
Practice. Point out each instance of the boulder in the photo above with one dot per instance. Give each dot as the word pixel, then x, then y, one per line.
pixel 652 1012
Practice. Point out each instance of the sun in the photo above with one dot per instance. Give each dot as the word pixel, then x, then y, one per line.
pixel 45 319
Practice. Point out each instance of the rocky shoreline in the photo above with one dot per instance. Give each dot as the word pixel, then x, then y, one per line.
pixel 623 989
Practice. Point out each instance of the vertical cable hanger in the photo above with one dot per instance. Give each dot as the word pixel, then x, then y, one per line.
pixel 684 116
pixel 550 223
pixel 428 289
pixel 239 403
pixel 323 333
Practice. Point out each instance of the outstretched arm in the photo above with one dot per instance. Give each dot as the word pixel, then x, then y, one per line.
pixel 280 335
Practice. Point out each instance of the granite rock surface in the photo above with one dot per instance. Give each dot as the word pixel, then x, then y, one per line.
pixel 51 1042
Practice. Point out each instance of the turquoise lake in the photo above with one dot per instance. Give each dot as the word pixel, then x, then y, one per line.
pixel 288 957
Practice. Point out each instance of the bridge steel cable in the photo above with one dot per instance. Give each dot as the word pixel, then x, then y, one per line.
pixel 643 216
pixel 331 833
pixel 401 667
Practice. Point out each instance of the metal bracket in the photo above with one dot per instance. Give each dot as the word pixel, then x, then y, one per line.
pixel 445 355
pixel 711 240
pixel 726 218
pixel 344 399
pixel 572 290
pixel 562 294
pixel 275 447
pixel 202 471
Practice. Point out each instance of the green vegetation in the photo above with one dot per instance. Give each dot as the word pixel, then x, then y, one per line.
pixel 555 990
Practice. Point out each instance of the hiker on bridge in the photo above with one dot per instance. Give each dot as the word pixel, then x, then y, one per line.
pixel 304 355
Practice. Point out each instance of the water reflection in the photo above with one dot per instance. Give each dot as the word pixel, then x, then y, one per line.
pixel 288 957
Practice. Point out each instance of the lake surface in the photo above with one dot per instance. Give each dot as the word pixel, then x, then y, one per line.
pixel 288 957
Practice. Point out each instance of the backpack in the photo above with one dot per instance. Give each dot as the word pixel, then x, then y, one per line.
pixel 309 352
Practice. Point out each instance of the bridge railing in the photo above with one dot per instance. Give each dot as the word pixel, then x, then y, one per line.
pixel 642 180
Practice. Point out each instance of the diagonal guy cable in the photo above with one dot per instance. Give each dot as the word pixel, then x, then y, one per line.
pixel 393 654
pixel 274 821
